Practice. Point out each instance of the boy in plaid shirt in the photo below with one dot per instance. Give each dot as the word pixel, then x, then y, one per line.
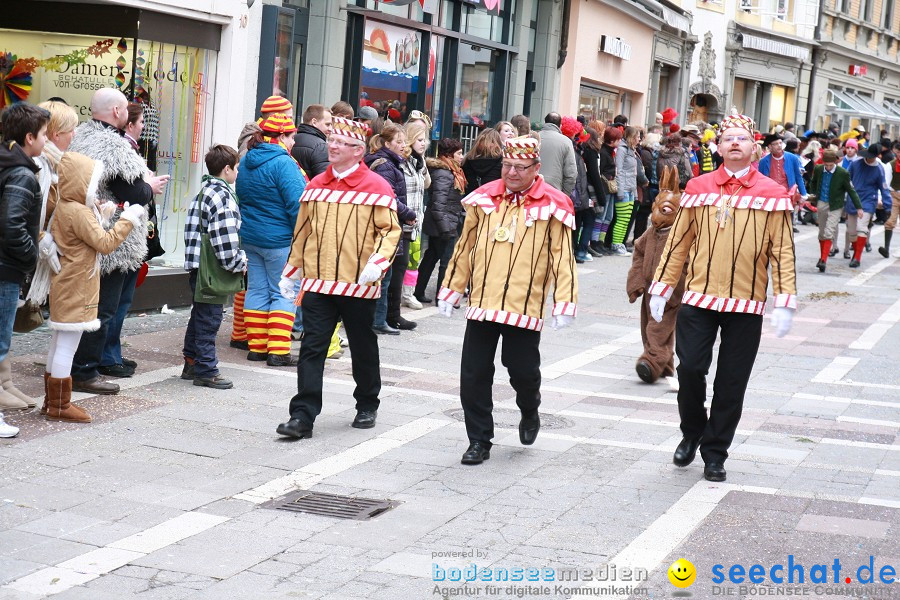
pixel 213 211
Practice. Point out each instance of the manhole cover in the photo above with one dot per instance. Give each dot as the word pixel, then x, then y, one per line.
pixel 331 505
pixel 504 417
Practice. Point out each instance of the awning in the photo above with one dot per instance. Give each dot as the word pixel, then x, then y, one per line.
pixel 775 47
pixel 676 19
pixel 852 104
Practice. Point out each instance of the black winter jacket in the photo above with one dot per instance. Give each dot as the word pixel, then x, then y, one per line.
pixel 389 169
pixel 444 212
pixel 580 197
pixel 20 211
pixel 310 150
pixel 480 171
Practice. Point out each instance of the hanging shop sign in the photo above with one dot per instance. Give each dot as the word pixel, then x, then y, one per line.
pixel 615 46
pixel 858 70
pixel 391 57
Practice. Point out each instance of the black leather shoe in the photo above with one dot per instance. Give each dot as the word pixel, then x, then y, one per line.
pixel 714 471
pixel 95 386
pixel 644 371
pixel 528 428
pixel 129 363
pixel 365 419
pixel 685 452
pixel 187 372
pixel 386 330
pixel 281 360
pixel 868 247
pixel 476 454
pixel 404 324
pixel 884 252
pixel 216 382
pixel 854 264
pixel 834 252
pixel 239 344
pixel 423 298
pixel 821 265
pixel 846 254
pixel 295 428
pixel 257 356
pixel 116 371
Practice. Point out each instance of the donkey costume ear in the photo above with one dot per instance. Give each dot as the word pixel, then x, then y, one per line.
pixel 672 181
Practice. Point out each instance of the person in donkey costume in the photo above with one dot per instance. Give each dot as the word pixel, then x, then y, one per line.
pixel 658 359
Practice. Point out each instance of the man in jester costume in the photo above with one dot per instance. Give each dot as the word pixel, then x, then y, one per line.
pixel 515 249
pixel 732 226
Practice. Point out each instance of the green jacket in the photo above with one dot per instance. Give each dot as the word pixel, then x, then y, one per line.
pixel 840 185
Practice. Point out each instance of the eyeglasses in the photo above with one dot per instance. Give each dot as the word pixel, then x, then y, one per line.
pixel 736 138
pixel 341 143
pixel 516 168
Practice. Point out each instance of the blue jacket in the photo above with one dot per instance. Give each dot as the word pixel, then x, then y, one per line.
pixel 792 170
pixel 868 180
pixel 268 186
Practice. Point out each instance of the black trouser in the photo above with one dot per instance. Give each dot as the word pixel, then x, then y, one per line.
pixel 395 288
pixel 643 210
pixel 90 348
pixel 434 253
pixel 522 358
pixel 200 335
pixel 321 313
pixel 695 335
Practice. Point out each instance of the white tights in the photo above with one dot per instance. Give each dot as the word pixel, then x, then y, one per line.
pixel 63 345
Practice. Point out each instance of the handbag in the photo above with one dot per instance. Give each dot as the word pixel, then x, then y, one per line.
pixel 28 317
pixel 214 282
pixel 611 186
pixel 154 246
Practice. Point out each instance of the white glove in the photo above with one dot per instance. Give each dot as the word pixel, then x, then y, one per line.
pixel 657 306
pixel 445 308
pixel 288 288
pixel 562 321
pixel 370 273
pixel 781 320
pixel 133 213
pixel 49 251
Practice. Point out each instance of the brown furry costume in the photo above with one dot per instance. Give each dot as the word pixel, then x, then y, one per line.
pixel 659 338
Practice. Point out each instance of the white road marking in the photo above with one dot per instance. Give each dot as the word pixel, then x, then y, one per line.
pixel 835 370
pixel 878 422
pixel 585 357
pixel 873 334
pixel 875 269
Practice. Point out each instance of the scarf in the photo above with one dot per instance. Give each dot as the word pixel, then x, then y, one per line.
pixel 459 178
pixel 274 140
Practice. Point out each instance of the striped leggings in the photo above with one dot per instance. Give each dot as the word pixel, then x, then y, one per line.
pixel 624 208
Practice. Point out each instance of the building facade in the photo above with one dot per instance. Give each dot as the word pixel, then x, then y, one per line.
pixel 856 78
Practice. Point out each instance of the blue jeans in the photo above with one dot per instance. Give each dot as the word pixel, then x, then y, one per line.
pixel 264 266
pixel 200 335
pixel 112 350
pixel 381 305
pixel 9 299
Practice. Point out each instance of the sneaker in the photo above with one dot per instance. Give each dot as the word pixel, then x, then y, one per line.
pixel 594 253
pixel 6 430
pixel 620 250
pixel 411 302
pixel 868 247
pixel 579 259
pixel 403 324
pixel 588 258
pixel 343 341
pixel 115 370
pixel 846 254
pixel 131 364
pixel 216 382
pixel 336 355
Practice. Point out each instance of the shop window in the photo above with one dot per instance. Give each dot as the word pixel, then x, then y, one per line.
pixel 284 34
pixel 781 105
pixel 474 84
pixel 435 84
pixel 483 23
pixel 175 83
pixel 390 69
pixel 597 104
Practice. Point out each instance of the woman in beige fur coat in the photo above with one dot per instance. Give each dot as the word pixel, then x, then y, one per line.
pixel 75 289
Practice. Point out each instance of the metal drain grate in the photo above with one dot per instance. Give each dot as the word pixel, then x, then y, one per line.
pixel 331 505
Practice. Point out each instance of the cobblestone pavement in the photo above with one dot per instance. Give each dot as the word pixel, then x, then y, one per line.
pixel 162 497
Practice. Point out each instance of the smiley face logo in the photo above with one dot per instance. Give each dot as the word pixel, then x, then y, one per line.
pixel 682 573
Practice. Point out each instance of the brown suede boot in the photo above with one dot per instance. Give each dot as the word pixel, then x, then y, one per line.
pixel 46 395
pixel 7 384
pixel 59 402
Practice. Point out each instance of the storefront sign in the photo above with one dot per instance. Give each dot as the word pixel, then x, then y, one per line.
pixel 391 57
pixel 858 70
pixel 615 46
